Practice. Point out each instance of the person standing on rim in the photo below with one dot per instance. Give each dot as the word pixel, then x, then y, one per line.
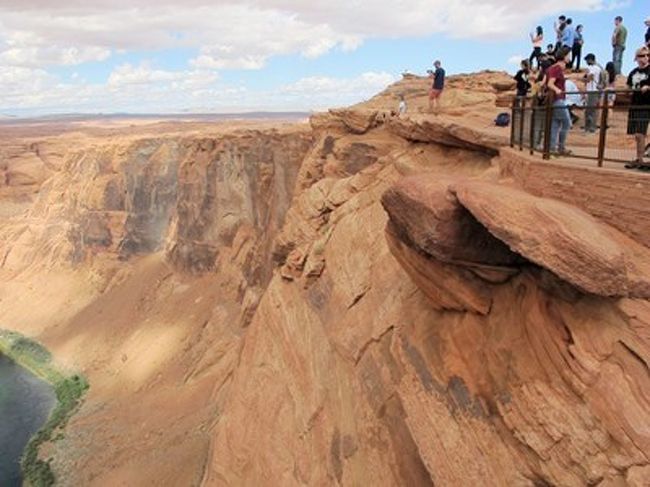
pixel 647 32
pixel 436 88
pixel 578 41
pixel 537 38
pixel 594 85
pixel 619 38
pixel 561 121
pixel 558 27
pixel 639 113
pixel 568 37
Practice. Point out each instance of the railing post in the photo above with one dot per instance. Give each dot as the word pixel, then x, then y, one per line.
pixel 512 122
pixel 522 114
pixel 547 126
pixel 533 109
pixel 604 116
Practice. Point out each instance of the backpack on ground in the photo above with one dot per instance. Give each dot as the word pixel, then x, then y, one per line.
pixel 502 120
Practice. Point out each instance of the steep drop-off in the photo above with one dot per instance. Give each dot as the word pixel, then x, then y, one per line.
pixel 366 301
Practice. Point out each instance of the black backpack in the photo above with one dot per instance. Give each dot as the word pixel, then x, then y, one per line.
pixel 502 120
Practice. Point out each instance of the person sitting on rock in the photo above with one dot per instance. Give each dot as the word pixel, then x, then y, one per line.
pixel 436 88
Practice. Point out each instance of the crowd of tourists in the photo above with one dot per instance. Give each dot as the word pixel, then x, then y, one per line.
pixel 543 75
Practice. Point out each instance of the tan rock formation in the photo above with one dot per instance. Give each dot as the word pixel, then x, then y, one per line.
pixel 373 301
pixel 561 238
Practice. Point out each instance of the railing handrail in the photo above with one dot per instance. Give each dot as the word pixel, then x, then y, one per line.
pixel 588 92
pixel 525 109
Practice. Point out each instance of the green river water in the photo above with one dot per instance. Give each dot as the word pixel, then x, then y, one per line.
pixel 25 403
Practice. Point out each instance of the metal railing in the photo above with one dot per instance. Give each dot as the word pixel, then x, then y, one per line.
pixel 598 130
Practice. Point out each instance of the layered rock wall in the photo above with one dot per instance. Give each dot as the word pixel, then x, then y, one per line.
pixel 130 198
pixel 366 301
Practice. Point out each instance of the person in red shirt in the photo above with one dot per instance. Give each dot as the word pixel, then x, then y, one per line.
pixel 561 122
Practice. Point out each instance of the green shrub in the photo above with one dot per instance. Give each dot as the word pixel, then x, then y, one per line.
pixel 34 350
pixel 69 391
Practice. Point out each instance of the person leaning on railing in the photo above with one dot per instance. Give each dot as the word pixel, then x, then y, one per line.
pixel 539 93
pixel 561 121
pixel 639 114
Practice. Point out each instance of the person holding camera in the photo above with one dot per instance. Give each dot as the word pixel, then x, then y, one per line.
pixel 437 86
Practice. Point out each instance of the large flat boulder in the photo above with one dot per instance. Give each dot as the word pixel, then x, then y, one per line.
pixel 427 215
pixel 358 121
pixel 447 131
pixel 567 241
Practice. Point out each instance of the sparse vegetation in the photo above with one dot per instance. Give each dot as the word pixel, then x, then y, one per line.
pixel 69 390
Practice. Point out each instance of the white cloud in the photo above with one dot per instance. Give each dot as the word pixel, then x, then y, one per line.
pixel 127 74
pixel 157 91
pixel 38 34
pixel 226 32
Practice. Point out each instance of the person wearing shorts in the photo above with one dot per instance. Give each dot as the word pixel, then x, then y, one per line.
pixel 437 87
pixel 639 114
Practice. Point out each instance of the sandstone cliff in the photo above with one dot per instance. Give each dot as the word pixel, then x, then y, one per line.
pixel 367 300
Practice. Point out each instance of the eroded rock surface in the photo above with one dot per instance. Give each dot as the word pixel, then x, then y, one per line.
pixel 565 240
pixel 372 301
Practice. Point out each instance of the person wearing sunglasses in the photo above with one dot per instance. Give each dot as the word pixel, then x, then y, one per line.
pixel 639 114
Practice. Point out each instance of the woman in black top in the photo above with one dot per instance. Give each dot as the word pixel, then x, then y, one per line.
pixel 523 85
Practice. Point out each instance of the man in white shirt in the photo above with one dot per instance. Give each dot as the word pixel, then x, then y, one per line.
pixel 593 87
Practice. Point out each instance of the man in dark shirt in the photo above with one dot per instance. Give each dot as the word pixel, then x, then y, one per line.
pixel 550 51
pixel 561 122
pixel 437 87
pixel 639 114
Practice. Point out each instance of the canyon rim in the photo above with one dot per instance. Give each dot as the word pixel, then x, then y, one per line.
pixel 362 299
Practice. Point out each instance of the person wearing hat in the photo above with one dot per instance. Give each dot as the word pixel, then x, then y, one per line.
pixel 593 85
pixel 639 114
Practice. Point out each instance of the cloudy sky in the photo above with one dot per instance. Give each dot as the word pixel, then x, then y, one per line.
pixel 146 56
